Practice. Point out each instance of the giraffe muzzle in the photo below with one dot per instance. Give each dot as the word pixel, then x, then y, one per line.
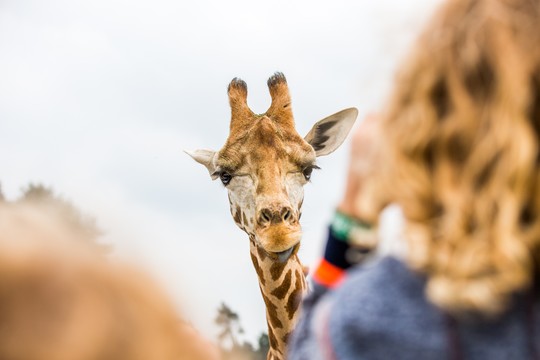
pixel 279 239
pixel 277 229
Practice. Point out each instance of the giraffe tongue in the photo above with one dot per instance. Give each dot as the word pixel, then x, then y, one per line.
pixel 284 255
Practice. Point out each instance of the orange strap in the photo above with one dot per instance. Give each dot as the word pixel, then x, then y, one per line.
pixel 328 275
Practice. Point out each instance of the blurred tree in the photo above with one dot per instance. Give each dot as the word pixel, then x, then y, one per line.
pixel 44 197
pixel 231 330
pixel 2 197
pixel 37 193
pixel 264 346
pixel 229 322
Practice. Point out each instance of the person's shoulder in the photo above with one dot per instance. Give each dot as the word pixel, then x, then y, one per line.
pixel 383 289
pixel 382 306
pixel 386 277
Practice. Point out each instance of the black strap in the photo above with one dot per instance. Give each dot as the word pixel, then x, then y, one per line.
pixel 455 351
pixel 531 322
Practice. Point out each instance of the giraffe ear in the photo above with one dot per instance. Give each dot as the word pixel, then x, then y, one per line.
pixel 205 157
pixel 329 133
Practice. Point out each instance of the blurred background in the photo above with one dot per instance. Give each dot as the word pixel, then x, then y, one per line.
pixel 99 98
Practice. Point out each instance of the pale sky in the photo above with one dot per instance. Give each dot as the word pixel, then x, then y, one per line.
pixel 98 99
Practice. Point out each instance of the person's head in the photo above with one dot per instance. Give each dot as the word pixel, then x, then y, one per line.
pixel 61 300
pixel 462 130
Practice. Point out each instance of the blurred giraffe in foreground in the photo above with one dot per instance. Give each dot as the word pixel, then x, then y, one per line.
pixel 61 299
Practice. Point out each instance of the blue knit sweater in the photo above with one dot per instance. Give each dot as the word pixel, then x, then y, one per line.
pixel 380 312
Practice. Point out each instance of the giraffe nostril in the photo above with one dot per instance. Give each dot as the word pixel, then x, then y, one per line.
pixel 286 214
pixel 265 216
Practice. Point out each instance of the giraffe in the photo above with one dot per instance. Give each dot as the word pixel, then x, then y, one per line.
pixel 264 165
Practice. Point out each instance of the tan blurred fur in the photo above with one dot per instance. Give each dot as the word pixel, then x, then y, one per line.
pixel 462 130
pixel 62 301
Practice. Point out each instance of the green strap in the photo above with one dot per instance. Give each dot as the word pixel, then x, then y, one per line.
pixel 343 225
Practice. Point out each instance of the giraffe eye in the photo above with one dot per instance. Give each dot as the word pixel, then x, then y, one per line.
pixel 225 178
pixel 308 170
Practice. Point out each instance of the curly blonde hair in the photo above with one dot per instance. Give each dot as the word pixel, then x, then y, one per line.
pixel 463 129
pixel 61 300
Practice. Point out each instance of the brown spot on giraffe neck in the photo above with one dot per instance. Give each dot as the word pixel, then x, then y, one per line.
pixel 287 337
pixel 273 341
pixel 258 269
pixel 276 269
pixel 272 314
pixel 295 297
pixel 282 289
pixel 261 253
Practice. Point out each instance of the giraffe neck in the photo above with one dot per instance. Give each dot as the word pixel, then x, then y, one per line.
pixel 282 287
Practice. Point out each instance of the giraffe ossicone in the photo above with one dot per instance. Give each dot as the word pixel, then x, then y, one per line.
pixel 264 165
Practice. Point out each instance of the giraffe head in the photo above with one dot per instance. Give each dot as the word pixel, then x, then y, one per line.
pixel 265 163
